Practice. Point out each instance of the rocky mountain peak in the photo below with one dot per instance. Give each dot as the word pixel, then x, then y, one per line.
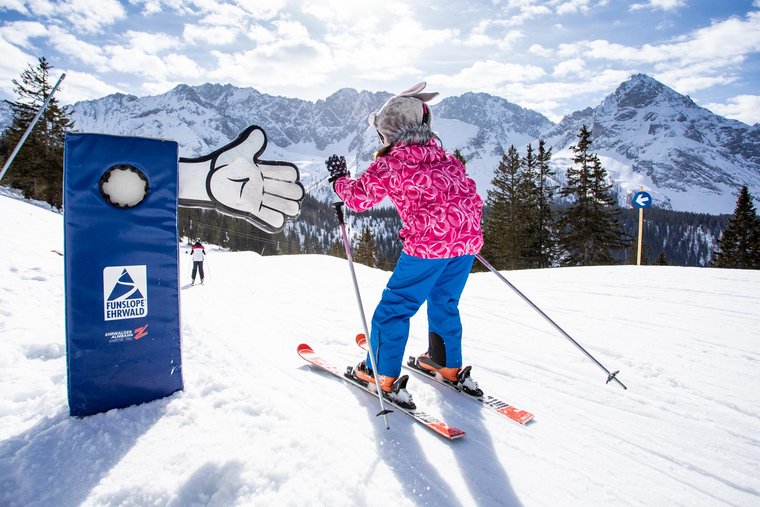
pixel 641 90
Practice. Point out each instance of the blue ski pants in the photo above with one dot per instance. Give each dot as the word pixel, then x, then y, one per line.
pixel 440 282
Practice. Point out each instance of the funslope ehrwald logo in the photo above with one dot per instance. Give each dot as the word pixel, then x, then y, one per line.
pixel 125 292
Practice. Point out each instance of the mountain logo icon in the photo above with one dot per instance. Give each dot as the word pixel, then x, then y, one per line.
pixel 125 292
pixel 125 288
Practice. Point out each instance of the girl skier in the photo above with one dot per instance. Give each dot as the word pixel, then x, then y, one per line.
pixel 441 211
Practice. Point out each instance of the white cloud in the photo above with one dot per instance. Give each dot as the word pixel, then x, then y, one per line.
pixel 664 5
pixel 14 5
pixel 150 7
pixel 214 11
pixel 85 15
pixel 13 62
pixel 91 16
pixel 575 66
pixel 703 58
pixel 20 33
pixel 573 6
pixel 209 35
pixel 489 75
pixel 546 107
pixel 549 97
pixel 221 14
pixel 539 50
pixel 142 55
pixel 285 56
pixel 698 76
pixel 525 12
pixel 293 66
pixel 135 61
pixel 181 67
pixel 151 43
pixel 357 13
pixel 492 33
pixel 77 49
pixel 384 48
pixel 83 86
pixel 745 108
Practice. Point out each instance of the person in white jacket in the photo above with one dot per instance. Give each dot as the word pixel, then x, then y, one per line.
pixel 198 253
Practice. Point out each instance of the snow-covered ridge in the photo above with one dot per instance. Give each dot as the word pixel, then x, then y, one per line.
pixel 687 157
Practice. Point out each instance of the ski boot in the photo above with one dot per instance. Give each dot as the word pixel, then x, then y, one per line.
pixel 393 388
pixel 458 377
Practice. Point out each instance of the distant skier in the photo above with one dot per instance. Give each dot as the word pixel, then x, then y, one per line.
pixel 441 211
pixel 199 253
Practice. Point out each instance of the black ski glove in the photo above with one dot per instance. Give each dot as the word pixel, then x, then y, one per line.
pixel 336 166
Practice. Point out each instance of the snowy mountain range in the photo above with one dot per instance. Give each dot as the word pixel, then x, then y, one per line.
pixel 646 134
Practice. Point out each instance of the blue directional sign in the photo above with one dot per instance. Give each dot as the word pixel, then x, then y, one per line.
pixel 642 200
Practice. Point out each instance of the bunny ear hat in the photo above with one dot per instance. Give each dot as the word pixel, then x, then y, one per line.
pixel 406 110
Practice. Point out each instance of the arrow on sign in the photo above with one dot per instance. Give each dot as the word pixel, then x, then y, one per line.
pixel 642 200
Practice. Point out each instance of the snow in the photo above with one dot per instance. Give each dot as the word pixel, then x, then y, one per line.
pixel 255 425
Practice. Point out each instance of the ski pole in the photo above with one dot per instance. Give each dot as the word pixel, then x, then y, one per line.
pixel 610 375
pixel 30 127
pixel 339 212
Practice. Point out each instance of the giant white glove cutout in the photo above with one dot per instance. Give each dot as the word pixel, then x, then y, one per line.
pixel 233 180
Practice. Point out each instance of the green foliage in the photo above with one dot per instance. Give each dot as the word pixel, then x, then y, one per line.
pixel 366 251
pixel 589 229
pixel 739 245
pixel 37 169
pixel 519 224
pixel 545 228
pixel 504 227
pixel 338 249
pixel 458 155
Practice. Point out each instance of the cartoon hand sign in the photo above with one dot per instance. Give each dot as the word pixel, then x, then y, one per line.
pixel 233 180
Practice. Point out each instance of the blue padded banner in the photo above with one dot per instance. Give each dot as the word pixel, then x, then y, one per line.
pixel 121 271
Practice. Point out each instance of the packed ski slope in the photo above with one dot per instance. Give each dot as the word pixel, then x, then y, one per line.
pixel 255 425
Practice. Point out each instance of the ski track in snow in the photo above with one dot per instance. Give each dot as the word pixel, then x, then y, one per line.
pixel 255 425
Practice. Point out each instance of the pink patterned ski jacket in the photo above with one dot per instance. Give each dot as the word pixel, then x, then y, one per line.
pixel 436 200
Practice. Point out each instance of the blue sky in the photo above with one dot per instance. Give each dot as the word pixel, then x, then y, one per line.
pixel 553 56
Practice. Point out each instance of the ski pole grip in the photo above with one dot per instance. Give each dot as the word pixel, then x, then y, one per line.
pixel 339 211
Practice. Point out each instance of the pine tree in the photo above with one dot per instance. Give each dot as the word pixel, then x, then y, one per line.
pixel 337 249
pixel 366 251
pixel 38 167
pixel 739 245
pixel 458 155
pixel 528 197
pixel 504 229
pixel 589 229
pixel 547 238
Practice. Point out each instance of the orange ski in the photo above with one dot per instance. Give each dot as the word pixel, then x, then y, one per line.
pixel 500 407
pixel 429 421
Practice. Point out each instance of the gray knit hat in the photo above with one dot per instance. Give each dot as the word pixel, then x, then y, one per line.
pixel 404 111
